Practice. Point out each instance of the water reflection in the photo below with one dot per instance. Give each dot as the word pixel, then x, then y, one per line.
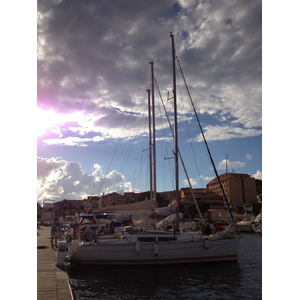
pixel 172 282
pixel 226 280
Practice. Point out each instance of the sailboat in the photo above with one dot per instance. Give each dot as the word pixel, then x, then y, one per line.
pixel 140 246
pixel 248 219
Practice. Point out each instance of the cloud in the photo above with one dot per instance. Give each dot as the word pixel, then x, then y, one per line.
pixel 233 164
pixel 208 178
pixel 257 175
pixel 93 58
pixel 192 181
pixel 225 132
pixel 187 3
pixel 59 179
pixel 46 165
pixel 72 141
pixel 249 156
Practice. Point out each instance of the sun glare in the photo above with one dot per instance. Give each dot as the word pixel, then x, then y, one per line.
pixel 48 120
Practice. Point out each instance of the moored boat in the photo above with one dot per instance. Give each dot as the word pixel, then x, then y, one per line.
pixel 156 247
pixel 247 220
pixel 245 225
pixel 167 245
pixel 257 224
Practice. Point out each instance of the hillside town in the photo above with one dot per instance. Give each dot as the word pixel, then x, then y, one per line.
pixel 240 189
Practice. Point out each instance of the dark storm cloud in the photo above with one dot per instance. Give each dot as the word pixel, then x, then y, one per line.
pixel 91 47
pixel 94 55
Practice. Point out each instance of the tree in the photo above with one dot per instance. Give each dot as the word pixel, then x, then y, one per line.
pixel 192 210
pixel 161 202
pixel 203 206
pixel 256 208
pixel 144 196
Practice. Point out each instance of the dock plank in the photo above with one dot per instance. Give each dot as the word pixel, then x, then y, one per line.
pixel 52 281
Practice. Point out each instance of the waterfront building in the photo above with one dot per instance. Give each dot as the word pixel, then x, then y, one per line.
pixel 91 203
pixel 202 195
pixel 68 207
pixel 132 197
pixel 113 199
pixel 240 189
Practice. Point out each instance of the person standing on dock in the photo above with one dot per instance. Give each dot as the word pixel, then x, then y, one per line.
pixel 54 231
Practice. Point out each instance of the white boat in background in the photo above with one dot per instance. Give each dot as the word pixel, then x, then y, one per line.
pixel 245 225
pixel 247 219
pixel 222 216
pixel 257 224
pixel 165 244
pixel 141 206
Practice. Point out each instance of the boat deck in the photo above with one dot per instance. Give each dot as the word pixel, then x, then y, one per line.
pixel 52 281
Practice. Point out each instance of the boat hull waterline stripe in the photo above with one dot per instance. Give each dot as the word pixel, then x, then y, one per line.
pixel 159 261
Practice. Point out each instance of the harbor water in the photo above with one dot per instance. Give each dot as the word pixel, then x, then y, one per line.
pixel 222 280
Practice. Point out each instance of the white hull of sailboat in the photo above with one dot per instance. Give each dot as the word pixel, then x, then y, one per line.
pixel 125 252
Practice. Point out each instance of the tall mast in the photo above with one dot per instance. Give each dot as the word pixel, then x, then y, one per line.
pixel 150 145
pixel 175 134
pixel 153 133
pixel 226 162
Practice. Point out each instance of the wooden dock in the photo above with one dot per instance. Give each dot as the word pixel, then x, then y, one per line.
pixel 52 281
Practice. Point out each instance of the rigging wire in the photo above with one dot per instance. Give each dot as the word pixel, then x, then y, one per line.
pixel 205 142
pixel 122 142
pixel 189 135
pixel 181 159
pixel 190 140
pixel 165 139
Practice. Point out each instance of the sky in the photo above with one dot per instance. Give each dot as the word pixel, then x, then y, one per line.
pixel 93 73
pixel 95 84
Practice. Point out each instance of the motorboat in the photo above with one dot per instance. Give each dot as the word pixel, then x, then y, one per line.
pixel 246 222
